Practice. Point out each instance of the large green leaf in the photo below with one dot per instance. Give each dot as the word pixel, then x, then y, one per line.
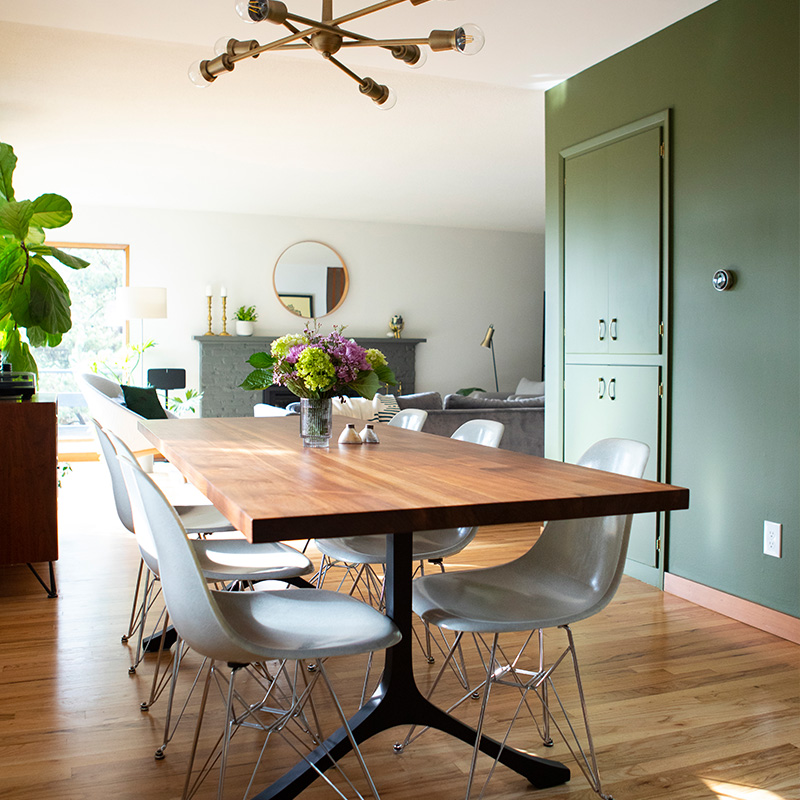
pixel 15 217
pixel 366 384
pixel 65 258
pixel 385 375
pixel 35 237
pixel 51 211
pixel 12 260
pixel 8 161
pixel 41 338
pixel 49 305
pixel 257 379
pixel 19 354
pixel 261 361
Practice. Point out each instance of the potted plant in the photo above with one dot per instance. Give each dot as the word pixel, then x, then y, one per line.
pixel 245 316
pixel 33 296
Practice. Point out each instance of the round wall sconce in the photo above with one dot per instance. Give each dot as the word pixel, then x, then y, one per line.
pixel 723 280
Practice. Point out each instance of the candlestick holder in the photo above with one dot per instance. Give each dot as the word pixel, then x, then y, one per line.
pixel 209 332
pixel 224 317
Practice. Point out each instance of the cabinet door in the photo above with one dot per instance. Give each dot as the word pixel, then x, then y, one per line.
pixel 612 247
pixel 616 401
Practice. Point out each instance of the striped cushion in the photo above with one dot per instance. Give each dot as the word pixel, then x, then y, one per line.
pixel 386 407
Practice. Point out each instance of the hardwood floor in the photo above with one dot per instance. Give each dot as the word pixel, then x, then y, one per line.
pixel 684 703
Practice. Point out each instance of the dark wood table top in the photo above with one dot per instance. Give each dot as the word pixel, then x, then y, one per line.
pixel 257 472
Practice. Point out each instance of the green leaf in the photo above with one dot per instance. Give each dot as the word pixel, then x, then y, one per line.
pixel 366 384
pixel 19 354
pixel 41 338
pixel 15 218
pixel 12 261
pixel 35 236
pixel 257 379
pixel 261 361
pixel 49 305
pixel 65 258
pixel 8 161
pixel 385 375
pixel 51 211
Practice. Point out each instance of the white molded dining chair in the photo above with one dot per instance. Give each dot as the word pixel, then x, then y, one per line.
pixel 251 628
pixel 412 419
pixel 572 572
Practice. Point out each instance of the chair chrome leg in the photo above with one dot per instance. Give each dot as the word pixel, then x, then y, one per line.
pixel 134 620
pixel 479 728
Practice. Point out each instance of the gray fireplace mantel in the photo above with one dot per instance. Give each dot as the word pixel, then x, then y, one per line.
pixel 223 366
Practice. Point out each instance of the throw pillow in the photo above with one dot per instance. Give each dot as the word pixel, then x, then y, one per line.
pixel 385 407
pixel 430 401
pixel 143 401
pixel 530 388
pixel 457 401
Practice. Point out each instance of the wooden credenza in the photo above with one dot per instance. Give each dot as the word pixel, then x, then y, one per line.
pixel 28 484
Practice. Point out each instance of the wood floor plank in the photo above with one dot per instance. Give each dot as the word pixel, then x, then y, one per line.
pixel 685 704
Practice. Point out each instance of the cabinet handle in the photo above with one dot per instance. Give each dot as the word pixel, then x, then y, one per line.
pixel 601 329
pixel 612 329
pixel 601 388
pixel 612 389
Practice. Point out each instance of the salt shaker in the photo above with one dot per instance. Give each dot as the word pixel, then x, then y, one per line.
pixel 368 435
pixel 350 435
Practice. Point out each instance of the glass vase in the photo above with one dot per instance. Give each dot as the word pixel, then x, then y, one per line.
pixel 316 416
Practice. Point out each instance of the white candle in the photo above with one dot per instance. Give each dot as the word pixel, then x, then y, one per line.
pixel 209 291
pixel 223 292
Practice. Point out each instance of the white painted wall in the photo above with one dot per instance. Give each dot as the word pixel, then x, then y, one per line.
pixel 448 284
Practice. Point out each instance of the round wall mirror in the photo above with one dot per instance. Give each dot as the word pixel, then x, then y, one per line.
pixel 310 279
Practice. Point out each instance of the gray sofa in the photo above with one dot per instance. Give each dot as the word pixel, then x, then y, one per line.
pixel 523 417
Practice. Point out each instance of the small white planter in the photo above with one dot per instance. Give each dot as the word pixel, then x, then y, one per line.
pixel 244 327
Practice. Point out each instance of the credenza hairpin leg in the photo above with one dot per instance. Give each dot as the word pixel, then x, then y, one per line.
pixel 51 589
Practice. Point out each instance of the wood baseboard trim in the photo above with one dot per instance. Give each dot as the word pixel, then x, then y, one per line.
pixel 761 617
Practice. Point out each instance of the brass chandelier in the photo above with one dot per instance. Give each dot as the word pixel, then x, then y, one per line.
pixel 327 37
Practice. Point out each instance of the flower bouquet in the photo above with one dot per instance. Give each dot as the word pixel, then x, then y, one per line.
pixel 317 368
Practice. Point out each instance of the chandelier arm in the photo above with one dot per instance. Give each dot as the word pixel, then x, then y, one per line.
pixel 335 61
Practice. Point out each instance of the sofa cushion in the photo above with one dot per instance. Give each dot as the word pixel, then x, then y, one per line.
pixel 143 401
pixel 430 401
pixel 459 401
pixel 355 407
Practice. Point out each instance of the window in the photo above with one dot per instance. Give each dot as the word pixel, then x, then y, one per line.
pixel 95 336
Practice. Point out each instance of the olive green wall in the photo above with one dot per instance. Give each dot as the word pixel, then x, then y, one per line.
pixel 730 75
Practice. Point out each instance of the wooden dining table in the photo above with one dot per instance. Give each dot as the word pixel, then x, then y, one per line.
pixel 257 472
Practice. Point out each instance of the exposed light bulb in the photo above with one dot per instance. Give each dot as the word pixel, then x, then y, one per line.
pixel 221 45
pixel 196 75
pixel 469 39
pixel 243 10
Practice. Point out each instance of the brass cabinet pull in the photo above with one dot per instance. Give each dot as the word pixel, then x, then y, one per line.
pixel 601 388
pixel 612 329
pixel 601 329
pixel 612 389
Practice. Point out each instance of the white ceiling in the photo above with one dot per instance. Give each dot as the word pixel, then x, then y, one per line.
pixel 96 102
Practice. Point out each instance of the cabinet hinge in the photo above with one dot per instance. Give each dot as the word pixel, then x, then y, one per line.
pixel 658 545
pixel 661 150
pixel 660 389
pixel 660 328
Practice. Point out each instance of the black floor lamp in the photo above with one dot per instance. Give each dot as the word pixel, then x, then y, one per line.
pixel 487 342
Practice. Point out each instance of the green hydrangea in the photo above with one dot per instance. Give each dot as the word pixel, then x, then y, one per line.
pixel 280 347
pixel 316 370
pixel 375 358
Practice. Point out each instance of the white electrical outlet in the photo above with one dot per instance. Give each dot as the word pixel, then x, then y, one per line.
pixel 772 538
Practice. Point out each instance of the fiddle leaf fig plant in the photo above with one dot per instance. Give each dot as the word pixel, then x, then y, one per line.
pixel 33 296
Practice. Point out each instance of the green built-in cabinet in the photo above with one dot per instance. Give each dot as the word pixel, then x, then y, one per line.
pixel 614 278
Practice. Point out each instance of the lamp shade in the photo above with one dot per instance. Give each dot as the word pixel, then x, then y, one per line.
pixel 141 302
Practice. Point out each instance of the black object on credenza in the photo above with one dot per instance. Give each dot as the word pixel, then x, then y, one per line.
pixel 278 396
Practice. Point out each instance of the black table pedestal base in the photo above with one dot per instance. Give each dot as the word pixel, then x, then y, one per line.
pixel 398 702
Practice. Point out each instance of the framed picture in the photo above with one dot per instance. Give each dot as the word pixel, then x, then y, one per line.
pixel 300 304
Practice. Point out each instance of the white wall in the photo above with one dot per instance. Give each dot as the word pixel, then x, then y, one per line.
pixel 448 284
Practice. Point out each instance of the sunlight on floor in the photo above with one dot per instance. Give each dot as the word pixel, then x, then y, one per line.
pixel 736 791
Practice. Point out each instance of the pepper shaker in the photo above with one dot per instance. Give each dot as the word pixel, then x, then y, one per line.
pixel 368 435
pixel 349 435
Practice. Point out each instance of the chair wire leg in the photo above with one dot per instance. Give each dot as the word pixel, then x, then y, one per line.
pixel 479 728
pixel 134 605
pixel 189 788
pixel 346 724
